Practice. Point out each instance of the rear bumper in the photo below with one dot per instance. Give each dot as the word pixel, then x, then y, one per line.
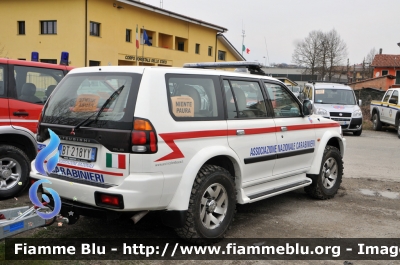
pixel 139 192
pixel 72 210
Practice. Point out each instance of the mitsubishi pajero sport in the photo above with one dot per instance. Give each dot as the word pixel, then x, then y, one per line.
pixel 186 142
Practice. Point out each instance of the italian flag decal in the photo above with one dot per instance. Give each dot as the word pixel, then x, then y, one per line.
pixel 115 161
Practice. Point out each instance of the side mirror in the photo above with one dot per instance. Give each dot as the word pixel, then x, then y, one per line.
pixel 393 101
pixel 307 107
pixel 359 102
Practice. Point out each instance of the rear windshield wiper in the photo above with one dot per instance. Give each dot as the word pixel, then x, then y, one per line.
pixel 108 101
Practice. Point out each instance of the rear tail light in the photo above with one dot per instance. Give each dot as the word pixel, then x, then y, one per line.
pixel 109 200
pixel 144 137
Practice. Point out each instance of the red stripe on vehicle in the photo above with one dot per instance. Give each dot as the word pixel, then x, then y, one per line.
pixel 327 125
pixel 121 161
pixel 176 153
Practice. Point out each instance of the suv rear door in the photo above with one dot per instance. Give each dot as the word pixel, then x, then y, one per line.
pixel 384 109
pixel 27 87
pixel 392 110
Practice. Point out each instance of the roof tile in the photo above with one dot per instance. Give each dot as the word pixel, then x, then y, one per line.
pixel 386 60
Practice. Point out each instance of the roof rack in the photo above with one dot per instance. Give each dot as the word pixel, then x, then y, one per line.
pixel 253 67
pixel 318 81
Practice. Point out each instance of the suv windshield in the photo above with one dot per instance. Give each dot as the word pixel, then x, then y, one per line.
pixel 334 96
pixel 80 97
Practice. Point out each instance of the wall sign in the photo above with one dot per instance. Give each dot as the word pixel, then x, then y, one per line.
pixel 145 59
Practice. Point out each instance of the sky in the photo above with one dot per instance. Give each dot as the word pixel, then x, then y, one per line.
pixel 272 27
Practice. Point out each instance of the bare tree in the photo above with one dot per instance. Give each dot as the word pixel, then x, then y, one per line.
pixel 320 53
pixel 307 52
pixel 337 51
pixel 368 60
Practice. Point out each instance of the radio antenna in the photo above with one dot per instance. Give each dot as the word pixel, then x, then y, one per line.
pixel 266 48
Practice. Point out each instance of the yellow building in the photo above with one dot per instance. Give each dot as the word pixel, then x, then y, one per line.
pixel 103 32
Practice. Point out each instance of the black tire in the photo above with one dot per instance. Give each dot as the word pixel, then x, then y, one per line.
pixel 357 133
pixel 195 229
pixel 376 122
pixel 326 184
pixel 14 171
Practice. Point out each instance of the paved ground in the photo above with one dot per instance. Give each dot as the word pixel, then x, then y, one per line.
pixel 373 155
pixel 367 206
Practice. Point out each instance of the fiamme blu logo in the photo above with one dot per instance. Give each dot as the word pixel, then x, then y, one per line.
pixel 51 155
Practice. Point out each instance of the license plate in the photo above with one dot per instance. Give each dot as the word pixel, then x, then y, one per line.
pixel 343 122
pixel 78 152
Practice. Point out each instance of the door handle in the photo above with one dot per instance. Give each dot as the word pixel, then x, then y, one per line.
pixel 21 113
pixel 283 129
pixel 240 132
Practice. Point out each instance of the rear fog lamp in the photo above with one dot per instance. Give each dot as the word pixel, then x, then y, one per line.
pixel 115 201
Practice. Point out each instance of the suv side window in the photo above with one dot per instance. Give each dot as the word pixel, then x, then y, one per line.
pixel 395 96
pixel 194 97
pixel 387 95
pixel 283 103
pixel 244 100
pixel 32 82
pixel 2 82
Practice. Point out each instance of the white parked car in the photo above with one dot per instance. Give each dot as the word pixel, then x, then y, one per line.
pixel 387 111
pixel 154 147
pixel 337 102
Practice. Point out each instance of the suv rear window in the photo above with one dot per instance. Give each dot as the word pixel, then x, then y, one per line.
pixel 194 97
pixel 81 96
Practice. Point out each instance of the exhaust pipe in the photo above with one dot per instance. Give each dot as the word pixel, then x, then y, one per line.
pixel 136 218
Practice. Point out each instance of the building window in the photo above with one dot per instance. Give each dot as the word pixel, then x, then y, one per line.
pixel 197 50
pixel 209 50
pixel 221 55
pixel 53 61
pixel 385 72
pixel 48 27
pixel 21 27
pixel 128 35
pixel 94 63
pixel 398 77
pixel 95 29
pixel 181 46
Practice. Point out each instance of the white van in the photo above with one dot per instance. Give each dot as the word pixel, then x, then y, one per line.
pixel 337 102
pixel 190 143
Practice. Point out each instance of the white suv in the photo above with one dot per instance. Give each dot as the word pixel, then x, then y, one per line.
pixel 137 139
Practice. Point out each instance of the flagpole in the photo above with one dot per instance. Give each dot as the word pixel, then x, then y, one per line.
pixel 143 47
pixel 243 41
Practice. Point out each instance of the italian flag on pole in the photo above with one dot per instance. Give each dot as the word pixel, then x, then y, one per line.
pixel 115 161
pixel 137 37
